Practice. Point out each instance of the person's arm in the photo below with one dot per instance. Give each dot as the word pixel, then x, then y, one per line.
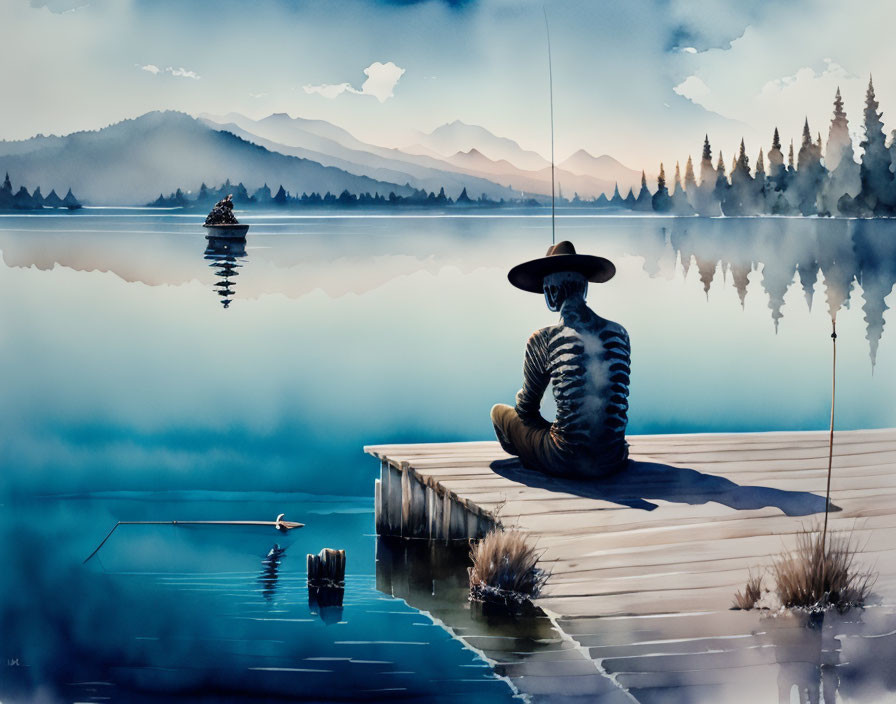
pixel 535 380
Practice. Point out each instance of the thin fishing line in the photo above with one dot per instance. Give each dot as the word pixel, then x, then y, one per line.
pixel 551 89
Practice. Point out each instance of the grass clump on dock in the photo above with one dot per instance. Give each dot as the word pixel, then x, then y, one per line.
pixel 751 594
pixel 817 577
pixel 505 569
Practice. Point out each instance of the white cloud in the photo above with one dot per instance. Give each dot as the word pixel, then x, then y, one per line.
pixel 381 81
pixel 330 90
pixel 60 6
pixel 183 73
pixel 179 72
pixel 694 89
pixel 807 80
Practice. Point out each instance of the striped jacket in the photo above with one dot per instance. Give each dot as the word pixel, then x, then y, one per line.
pixel 587 359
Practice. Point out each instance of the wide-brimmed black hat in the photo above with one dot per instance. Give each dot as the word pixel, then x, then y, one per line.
pixel 562 256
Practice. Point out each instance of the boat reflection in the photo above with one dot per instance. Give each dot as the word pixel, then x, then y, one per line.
pixel 271 571
pixel 225 256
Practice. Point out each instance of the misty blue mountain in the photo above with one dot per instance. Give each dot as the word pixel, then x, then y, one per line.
pixel 132 161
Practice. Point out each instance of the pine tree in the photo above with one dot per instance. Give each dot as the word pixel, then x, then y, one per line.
pixel 262 195
pixel 760 184
pixel 839 159
pixel 740 198
pixel 839 141
pixel 810 173
pixel 645 199
pixel 690 183
pixel 53 200
pixel 680 204
pixel 689 178
pixel 70 201
pixel 6 197
pixel 721 188
pixel 707 173
pixel 281 197
pixel 805 147
pixel 703 197
pixel 776 171
pixel 22 199
pixel 875 168
pixel 661 201
pixel 616 199
pixel 743 161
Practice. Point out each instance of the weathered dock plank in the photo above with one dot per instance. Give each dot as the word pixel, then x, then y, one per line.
pixel 644 565
pixel 689 500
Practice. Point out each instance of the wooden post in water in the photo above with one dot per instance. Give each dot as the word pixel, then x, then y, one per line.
pixel 327 568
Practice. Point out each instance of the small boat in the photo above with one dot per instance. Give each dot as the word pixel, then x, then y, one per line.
pixel 229 232
pixel 222 224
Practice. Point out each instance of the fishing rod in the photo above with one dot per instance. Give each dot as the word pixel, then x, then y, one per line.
pixel 278 523
pixel 547 30
pixel 827 503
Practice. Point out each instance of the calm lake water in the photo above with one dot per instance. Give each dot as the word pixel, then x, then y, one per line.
pixel 149 377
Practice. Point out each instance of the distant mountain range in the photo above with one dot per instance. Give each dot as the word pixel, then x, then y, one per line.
pixel 133 161
pixel 458 136
pixel 332 146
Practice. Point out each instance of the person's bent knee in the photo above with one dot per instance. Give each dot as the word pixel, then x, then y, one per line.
pixel 498 411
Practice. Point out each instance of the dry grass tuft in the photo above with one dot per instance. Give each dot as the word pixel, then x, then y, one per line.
pixel 805 579
pixel 505 569
pixel 751 594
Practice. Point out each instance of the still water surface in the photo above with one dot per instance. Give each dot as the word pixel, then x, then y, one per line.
pixel 142 362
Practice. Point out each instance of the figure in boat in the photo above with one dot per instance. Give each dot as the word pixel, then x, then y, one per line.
pixel 221 222
pixel 587 360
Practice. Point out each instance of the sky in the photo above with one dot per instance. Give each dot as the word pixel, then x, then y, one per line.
pixel 641 80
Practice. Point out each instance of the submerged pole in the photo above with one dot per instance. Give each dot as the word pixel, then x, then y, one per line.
pixel 278 523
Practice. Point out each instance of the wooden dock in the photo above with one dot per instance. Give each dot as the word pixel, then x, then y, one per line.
pixel 649 560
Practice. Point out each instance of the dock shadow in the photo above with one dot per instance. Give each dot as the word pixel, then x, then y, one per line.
pixel 640 481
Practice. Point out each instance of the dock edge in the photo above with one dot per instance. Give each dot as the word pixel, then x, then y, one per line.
pixel 409 505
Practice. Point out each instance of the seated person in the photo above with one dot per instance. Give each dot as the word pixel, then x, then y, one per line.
pixel 586 358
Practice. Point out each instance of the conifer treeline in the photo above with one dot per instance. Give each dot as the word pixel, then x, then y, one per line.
pixel 262 196
pixel 815 181
pixel 23 200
